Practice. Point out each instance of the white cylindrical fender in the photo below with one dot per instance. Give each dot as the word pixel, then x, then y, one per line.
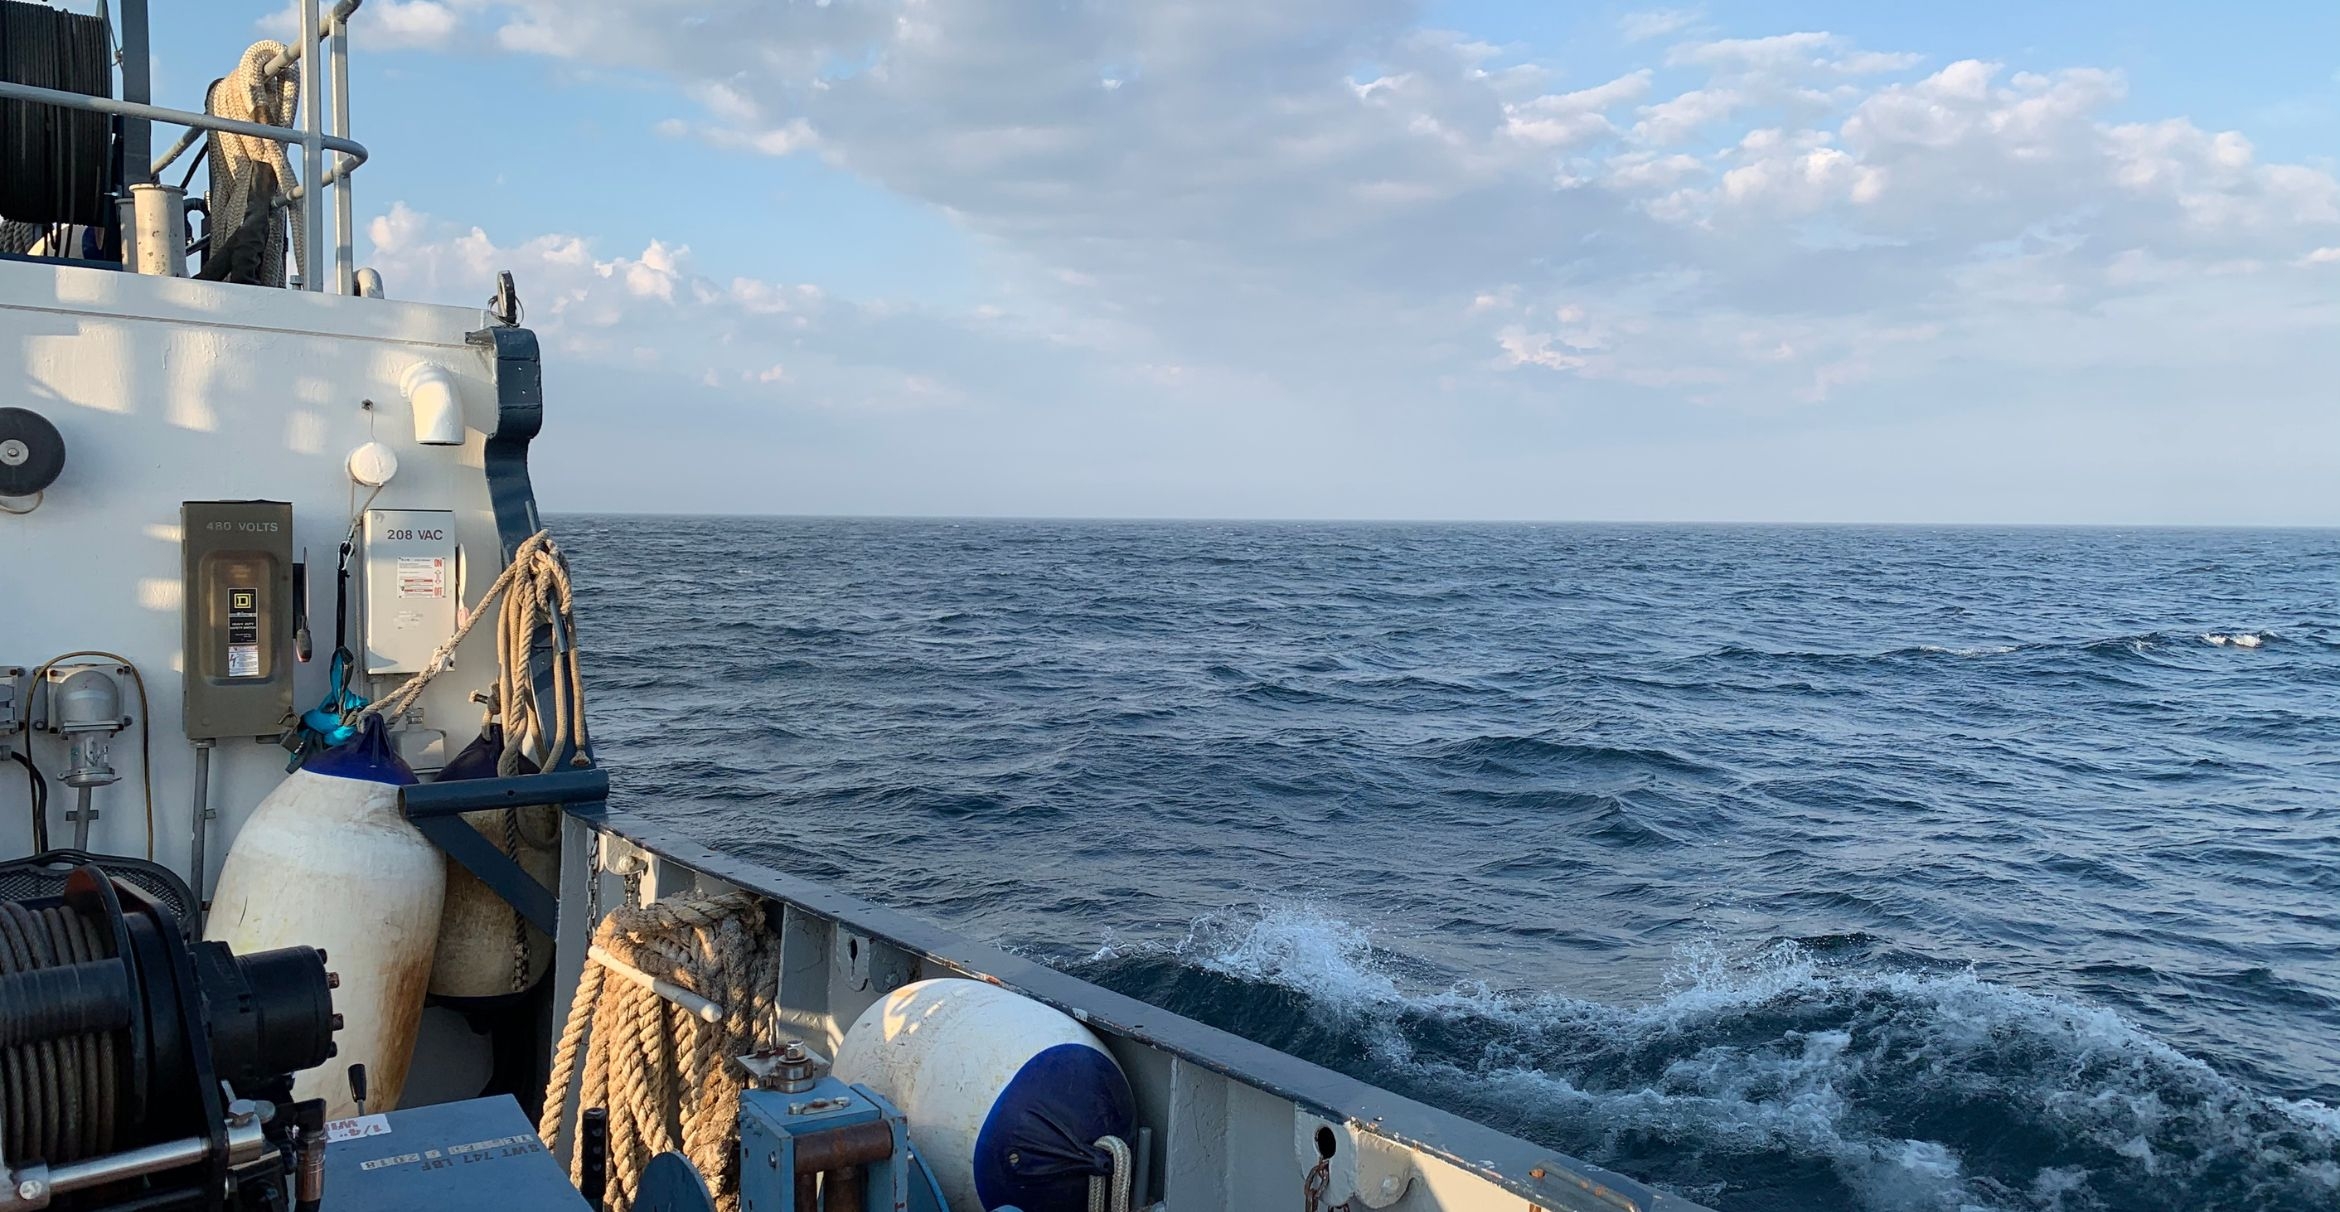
pixel 479 943
pixel 476 952
pixel 1005 1097
pixel 328 862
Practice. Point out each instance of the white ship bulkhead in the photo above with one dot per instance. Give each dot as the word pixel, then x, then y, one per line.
pixel 168 390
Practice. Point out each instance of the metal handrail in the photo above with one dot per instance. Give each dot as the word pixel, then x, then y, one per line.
pixel 340 14
pixel 317 27
pixel 354 151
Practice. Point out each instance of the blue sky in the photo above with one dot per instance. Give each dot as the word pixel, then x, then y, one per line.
pixel 1365 258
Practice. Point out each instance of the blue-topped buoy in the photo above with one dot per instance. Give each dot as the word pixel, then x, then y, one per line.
pixel 1006 1097
pixel 328 861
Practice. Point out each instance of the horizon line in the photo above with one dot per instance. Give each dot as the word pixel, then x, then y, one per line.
pixel 1192 519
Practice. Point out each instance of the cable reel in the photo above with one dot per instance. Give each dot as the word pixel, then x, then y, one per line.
pixel 139 1069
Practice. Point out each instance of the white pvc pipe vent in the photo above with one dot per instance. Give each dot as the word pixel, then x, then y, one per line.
pixel 438 410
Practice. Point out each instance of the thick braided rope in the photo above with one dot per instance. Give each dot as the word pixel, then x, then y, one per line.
pixel 666 1077
pixel 1109 1192
pixel 535 599
pixel 534 595
pixel 250 94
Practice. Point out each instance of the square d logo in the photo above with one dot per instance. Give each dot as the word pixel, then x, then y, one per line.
pixel 242 599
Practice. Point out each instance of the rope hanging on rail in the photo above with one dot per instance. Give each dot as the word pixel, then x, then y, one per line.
pixel 531 598
pixel 248 174
pixel 535 600
pixel 1110 1192
pixel 665 1073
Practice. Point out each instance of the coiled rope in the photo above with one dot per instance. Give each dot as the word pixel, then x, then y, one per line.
pixel 249 173
pixel 666 1075
pixel 536 598
pixel 56 1096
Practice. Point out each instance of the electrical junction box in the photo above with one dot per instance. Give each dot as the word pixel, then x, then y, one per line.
pixel 12 706
pixel 236 606
pixel 411 587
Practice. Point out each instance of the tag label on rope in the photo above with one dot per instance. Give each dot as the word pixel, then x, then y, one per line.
pixel 351 1129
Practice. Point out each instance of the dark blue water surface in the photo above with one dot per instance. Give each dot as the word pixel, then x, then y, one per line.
pixel 1785 867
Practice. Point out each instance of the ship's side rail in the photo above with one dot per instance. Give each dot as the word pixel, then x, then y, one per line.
pixel 1230 1124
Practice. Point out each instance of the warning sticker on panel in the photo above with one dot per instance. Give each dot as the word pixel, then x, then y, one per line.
pixel 243 632
pixel 364 1125
pixel 422 576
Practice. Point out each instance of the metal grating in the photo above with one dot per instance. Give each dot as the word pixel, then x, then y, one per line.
pixel 43 875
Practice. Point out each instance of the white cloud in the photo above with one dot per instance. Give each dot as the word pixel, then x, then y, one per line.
pixel 1320 202
pixel 381 25
pixel 1562 119
pixel 1789 54
pixel 1524 348
pixel 1655 23
pixel 1687 114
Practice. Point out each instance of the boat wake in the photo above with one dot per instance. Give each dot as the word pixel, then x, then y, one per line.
pixel 1775 1080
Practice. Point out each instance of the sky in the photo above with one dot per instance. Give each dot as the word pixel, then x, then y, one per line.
pixel 1474 259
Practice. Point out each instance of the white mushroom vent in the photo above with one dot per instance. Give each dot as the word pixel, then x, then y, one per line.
pixel 373 464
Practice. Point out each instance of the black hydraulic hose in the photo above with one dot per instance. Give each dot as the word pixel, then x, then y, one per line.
pixel 37 787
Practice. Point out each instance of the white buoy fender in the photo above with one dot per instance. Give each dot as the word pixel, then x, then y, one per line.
pixel 1006 1097
pixel 327 861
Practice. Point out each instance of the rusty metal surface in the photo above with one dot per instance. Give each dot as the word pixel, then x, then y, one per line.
pixel 840 1148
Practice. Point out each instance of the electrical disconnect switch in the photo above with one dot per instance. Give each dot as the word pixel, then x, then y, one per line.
pixel 237 616
pixel 411 594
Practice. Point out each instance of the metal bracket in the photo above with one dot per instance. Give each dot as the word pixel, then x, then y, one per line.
pixel 437 809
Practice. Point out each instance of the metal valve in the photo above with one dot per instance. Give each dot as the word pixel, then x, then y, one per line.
pixel 85 706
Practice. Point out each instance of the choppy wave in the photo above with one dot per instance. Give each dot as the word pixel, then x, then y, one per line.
pixel 2134 644
pixel 1605 771
pixel 1912 1089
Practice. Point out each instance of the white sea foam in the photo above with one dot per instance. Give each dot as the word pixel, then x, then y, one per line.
pixel 2239 639
pixel 1778 1051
